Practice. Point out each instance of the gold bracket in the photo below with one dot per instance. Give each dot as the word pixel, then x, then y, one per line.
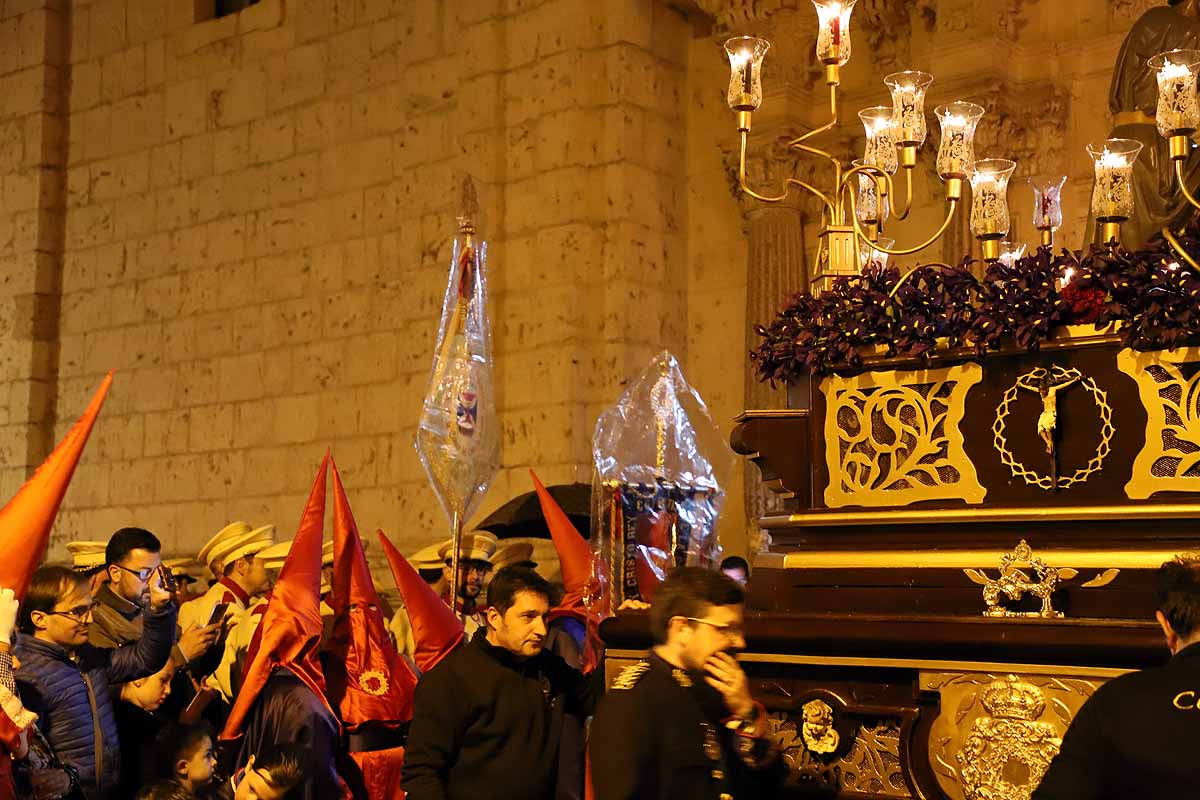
pixel 991 248
pixel 1180 146
pixel 908 156
pixel 954 188
pixel 1014 582
pixel 833 74
pixel 743 120
pixel 1047 237
pixel 1110 232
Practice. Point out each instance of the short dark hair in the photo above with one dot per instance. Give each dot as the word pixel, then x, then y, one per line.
pixel 179 741
pixel 1177 593
pixel 46 588
pixel 164 790
pixel 509 582
pixel 736 562
pixel 128 539
pixel 686 592
pixel 284 766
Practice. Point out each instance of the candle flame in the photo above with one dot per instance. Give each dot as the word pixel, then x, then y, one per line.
pixel 1068 273
pixel 1113 160
pixel 1171 71
pixel 954 121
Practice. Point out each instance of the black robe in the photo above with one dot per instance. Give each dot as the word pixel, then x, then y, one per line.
pixel 286 712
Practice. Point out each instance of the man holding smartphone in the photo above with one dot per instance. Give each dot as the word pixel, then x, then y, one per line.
pixel 132 559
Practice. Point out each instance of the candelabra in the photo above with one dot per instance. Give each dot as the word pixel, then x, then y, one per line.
pixel 863 196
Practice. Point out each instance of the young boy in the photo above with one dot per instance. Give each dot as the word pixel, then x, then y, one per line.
pixel 187 752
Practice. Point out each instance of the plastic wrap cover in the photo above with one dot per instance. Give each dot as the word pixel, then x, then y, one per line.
pixel 458 436
pixel 659 461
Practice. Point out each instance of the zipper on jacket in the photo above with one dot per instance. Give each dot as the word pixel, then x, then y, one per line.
pixel 97 735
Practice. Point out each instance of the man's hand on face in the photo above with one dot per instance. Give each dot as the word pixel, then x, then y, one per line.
pixel 726 676
pixel 195 641
pixel 160 595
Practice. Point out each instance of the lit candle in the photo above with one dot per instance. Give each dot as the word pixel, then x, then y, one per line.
pixel 1178 112
pixel 1011 253
pixel 869 209
pixel 908 105
pixel 989 197
pixel 1067 275
pixel 1112 197
pixel 956 155
pixel 833 30
pixel 745 71
pixel 880 150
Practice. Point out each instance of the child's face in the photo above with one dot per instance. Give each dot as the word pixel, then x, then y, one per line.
pixel 197 770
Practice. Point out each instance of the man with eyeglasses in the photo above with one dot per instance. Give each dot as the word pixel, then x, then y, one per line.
pixel 682 723
pixel 132 558
pixel 66 681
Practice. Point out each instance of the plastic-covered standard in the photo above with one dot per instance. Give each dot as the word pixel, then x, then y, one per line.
pixel 458 436
pixel 658 462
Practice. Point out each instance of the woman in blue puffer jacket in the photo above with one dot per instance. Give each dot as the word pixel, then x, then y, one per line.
pixel 66 681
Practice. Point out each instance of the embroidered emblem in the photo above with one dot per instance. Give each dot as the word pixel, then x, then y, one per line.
pixel 682 678
pixel 631 675
pixel 374 683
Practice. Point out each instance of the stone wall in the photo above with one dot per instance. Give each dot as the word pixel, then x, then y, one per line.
pixel 250 219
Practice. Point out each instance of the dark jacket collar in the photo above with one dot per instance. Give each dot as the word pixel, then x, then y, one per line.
pixel 1189 652
pixel 505 656
pixel 28 644
pixel 130 611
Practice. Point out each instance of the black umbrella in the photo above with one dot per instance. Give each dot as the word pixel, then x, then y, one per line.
pixel 522 516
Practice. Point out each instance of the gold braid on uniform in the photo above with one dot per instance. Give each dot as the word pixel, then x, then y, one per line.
pixel 631 675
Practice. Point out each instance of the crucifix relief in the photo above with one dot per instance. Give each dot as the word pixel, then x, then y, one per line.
pixel 1048 383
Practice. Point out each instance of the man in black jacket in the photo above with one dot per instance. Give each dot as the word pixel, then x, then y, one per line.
pixel 682 723
pixel 487 720
pixel 1136 736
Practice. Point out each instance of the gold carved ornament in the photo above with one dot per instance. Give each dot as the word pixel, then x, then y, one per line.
pixel 1063 377
pixel 870 766
pixel 1014 582
pixel 892 438
pixel 1170 456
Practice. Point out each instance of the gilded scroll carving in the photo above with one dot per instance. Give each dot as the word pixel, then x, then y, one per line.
pixel 997 734
pixel 892 438
pixel 871 766
pixel 1169 388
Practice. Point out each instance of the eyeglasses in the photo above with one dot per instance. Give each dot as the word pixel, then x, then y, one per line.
pixel 731 631
pixel 78 613
pixel 143 575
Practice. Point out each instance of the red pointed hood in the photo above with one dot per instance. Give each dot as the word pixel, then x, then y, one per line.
pixel 290 632
pixel 573 552
pixel 436 630
pixel 26 521
pixel 368 679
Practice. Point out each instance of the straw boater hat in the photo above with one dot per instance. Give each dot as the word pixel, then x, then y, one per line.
pixel 427 557
pixel 180 569
pixel 276 554
pixel 87 557
pixel 236 540
pixel 513 553
pixel 476 546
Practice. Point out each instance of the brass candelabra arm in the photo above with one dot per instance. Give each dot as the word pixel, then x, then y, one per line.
pixel 897 213
pixel 1183 187
pixel 1178 248
pixel 861 236
pixel 833 110
pixel 745 187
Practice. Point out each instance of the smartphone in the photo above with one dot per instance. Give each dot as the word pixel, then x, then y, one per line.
pixel 218 613
pixel 168 580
